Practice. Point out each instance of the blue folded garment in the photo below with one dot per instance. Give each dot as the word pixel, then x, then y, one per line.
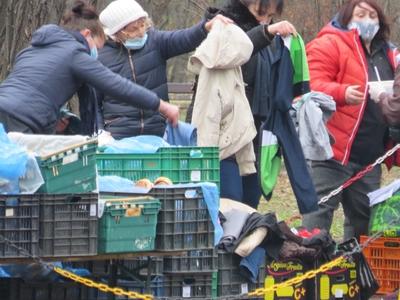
pixel 182 135
pixel 250 265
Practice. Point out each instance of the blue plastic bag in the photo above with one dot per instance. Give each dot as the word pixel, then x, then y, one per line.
pixel 137 144
pixel 115 184
pixel 13 158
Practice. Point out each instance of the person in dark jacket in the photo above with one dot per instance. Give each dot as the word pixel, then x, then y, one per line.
pixel 255 18
pixel 138 52
pixel 61 61
pixel 389 102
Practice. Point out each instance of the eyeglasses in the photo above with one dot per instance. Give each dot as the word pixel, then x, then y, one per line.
pixel 134 29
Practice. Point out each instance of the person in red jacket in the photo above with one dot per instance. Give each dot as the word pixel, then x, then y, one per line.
pixel 348 53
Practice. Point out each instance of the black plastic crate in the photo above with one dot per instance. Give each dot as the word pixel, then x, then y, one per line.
pixel 19 224
pixel 184 286
pixel 137 267
pixel 17 289
pixel 230 280
pixel 68 225
pixel 184 222
pixel 142 265
pixel 156 288
pixel 98 268
pixel 202 260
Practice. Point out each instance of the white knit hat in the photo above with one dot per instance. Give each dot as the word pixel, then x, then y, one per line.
pixel 120 13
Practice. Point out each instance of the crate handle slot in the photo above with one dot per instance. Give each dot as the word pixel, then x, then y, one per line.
pixel 340 278
pixel 191 194
pixel 131 212
pixel 392 244
pixel 196 154
pixel 74 198
pixel 189 281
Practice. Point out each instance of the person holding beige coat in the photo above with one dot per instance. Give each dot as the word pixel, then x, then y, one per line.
pixel 221 112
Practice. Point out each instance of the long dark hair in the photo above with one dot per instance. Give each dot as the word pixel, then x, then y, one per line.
pixel 346 13
pixel 263 5
pixel 82 16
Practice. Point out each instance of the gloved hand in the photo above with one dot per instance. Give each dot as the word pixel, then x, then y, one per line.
pixel 376 90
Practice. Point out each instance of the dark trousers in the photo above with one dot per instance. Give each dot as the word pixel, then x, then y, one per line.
pixel 329 175
pixel 244 189
pixel 11 124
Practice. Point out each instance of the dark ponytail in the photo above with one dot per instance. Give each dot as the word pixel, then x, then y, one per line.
pixel 83 16
pixel 85 11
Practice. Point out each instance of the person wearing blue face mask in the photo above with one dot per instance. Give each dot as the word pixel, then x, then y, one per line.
pixel 61 61
pixel 139 52
pixel 351 51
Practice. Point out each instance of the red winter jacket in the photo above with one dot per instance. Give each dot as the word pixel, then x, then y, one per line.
pixel 337 60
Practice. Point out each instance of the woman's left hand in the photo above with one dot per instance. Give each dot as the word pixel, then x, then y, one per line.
pixel 221 18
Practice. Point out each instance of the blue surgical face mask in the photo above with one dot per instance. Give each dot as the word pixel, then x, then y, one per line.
pixel 93 52
pixel 366 29
pixel 136 43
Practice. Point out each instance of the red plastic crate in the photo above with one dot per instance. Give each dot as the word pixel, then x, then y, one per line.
pixel 383 256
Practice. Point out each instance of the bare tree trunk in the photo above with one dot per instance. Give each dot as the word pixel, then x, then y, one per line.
pixel 19 18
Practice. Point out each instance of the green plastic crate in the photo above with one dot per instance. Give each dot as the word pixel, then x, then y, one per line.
pixel 71 170
pixel 180 164
pixel 128 225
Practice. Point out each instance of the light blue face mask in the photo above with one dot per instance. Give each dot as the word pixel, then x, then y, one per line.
pixel 136 43
pixel 366 29
pixel 94 53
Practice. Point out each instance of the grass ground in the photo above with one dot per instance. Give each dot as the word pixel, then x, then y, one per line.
pixel 284 204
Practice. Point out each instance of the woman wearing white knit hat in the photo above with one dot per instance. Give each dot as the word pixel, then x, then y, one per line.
pixel 139 52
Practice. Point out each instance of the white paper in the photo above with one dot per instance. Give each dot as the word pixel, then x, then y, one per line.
pixel 100 207
pixel 186 291
pixel 9 212
pixel 244 287
pixel 195 176
pixel 93 210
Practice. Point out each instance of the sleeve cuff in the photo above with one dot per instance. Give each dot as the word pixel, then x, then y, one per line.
pixel 203 27
pixel 246 168
pixel 267 35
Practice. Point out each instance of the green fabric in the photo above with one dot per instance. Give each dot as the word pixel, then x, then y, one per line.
pixel 270 162
pixel 299 60
pixel 384 213
pixel 301 73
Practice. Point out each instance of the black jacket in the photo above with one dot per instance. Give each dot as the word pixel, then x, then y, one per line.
pixel 150 70
pixel 278 121
pixel 47 74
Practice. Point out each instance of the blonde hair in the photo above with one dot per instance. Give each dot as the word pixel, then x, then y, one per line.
pixel 148 23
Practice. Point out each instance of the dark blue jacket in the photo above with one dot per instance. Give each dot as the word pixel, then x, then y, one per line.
pixel 279 85
pixel 150 69
pixel 47 74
